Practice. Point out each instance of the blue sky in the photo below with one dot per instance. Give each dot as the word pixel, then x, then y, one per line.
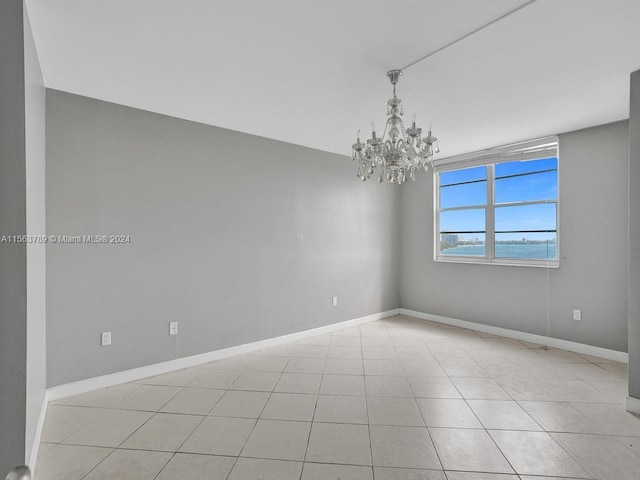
pixel 515 182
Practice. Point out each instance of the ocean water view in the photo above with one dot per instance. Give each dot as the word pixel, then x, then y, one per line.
pixel 537 251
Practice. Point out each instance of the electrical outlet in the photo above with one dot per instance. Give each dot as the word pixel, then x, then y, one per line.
pixel 173 328
pixel 334 301
pixel 105 339
pixel 577 315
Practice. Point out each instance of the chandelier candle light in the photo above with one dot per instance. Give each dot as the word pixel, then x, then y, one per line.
pixel 399 152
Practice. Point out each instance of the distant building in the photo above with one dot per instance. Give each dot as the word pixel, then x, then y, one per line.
pixel 450 238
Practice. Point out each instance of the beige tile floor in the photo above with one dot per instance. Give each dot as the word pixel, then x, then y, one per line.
pixel 398 399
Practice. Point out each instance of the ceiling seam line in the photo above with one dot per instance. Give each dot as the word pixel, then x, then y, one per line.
pixel 482 27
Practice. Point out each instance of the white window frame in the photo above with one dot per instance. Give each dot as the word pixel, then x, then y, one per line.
pixel 531 150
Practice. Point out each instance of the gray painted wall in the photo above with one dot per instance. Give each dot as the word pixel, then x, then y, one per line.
pixel 36 221
pixel 13 282
pixel 593 246
pixel 239 238
pixel 634 238
pixel 255 236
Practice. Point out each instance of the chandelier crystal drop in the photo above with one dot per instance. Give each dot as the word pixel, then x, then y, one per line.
pixel 399 152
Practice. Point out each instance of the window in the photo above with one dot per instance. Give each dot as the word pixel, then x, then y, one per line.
pixel 499 206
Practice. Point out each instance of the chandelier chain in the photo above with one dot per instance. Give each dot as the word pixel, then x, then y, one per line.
pixel 467 35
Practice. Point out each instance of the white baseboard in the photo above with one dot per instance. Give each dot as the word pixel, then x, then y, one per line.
pixel 96 383
pixel 527 337
pixel 633 405
pixel 33 455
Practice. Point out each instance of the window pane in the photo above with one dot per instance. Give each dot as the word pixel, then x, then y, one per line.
pixel 523 198
pixel 525 166
pixel 462 245
pixel 463 195
pixel 524 218
pixel 537 246
pixel 465 175
pixel 462 221
pixel 527 187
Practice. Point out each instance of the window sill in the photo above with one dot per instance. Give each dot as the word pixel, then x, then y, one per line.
pixel 506 262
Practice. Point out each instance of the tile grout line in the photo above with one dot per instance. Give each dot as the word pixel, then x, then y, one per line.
pixel 366 406
pixel 99 463
pixel 130 435
pixel 189 435
pixel 258 419
pixel 461 396
pixel 482 424
pixel 315 408
pixel 93 420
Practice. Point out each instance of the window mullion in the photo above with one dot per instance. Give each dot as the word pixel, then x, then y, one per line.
pixel 525 202
pixel 490 215
pixel 470 207
pixel 436 213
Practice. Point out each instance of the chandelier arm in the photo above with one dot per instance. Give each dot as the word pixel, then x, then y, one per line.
pixel 404 133
pixel 386 127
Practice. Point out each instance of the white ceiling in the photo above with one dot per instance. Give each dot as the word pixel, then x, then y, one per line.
pixel 312 72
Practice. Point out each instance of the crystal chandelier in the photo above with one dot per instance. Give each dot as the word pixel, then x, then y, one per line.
pixel 399 152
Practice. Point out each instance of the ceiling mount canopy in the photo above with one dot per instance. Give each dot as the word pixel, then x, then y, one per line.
pixel 399 152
